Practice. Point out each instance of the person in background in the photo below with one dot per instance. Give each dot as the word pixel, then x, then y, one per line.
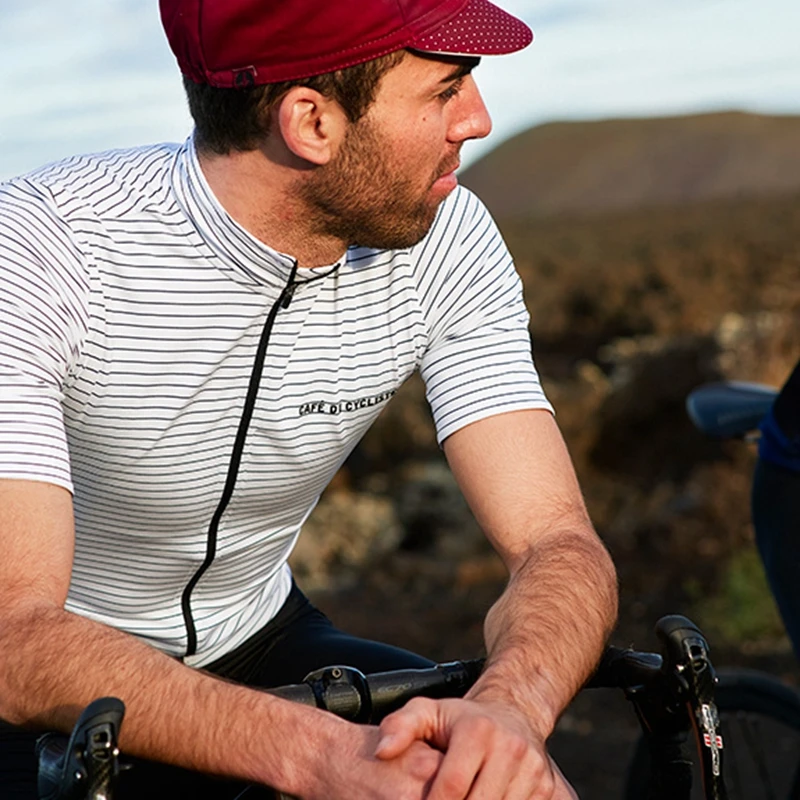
pixel 776 502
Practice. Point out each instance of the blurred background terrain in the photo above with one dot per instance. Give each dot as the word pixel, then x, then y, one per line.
pixel 656 255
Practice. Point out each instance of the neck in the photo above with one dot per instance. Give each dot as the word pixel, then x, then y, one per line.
pixel 259 194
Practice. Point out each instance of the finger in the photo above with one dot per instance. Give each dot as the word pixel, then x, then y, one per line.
pixel 513 771
pixel 421 761
pixel 417 720
pixel 463 761
pixel 495 778
pixel 409 776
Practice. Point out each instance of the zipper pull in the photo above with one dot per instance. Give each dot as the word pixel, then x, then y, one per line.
pixel 288 294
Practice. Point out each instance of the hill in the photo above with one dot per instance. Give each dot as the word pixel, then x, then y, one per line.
pixel 579 168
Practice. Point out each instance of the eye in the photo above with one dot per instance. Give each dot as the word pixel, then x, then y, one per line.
pixel 451 91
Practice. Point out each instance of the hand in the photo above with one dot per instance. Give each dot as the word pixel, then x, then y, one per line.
pixel 491 753
pixel 349 768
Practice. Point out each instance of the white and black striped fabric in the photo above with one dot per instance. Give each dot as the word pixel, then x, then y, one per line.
pixel 131 306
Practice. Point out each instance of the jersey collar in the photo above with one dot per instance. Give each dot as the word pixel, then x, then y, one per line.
pixel 252 261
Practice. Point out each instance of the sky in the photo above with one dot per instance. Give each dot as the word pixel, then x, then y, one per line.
pixel 90 75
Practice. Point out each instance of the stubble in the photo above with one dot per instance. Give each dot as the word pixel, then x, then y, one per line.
pixel 361 198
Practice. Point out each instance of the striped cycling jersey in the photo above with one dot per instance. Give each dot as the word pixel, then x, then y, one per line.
pixel 131 307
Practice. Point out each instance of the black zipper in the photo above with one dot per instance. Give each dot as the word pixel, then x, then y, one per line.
pixel 283 301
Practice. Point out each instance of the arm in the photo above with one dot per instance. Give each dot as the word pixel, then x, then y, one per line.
pixel 547 630
pixel 55 662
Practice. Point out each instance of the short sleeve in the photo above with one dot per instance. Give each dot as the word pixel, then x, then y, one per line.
pixel 478 362
pixel 43 319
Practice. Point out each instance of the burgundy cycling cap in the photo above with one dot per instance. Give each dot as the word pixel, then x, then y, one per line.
pixel 245 42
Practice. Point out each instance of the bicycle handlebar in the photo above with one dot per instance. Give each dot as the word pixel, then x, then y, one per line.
pixel 350 694
pixel 672 693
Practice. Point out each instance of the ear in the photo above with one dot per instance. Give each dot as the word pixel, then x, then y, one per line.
pixel 311 124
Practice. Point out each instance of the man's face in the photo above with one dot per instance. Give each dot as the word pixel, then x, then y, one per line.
pixel 396 164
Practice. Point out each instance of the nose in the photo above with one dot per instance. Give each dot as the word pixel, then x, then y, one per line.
pixel 472 120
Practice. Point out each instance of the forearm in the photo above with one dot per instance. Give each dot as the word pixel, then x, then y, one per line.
pixel 547 630
pixel 55 662
pixel 544 636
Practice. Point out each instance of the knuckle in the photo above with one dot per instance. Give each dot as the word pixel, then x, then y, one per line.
pixel 392 722
pixel 543 780
pixel 534 773
pixel 453 785
pixel 484 727
pixel 518 748
pixel 419 705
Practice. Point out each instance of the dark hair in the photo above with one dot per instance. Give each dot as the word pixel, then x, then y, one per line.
pixel 238 119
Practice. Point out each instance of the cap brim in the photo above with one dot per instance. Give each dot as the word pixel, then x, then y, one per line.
pixel 480 28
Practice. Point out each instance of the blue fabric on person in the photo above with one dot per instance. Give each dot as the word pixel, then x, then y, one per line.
pixel 776 519
pixel 776 502
pixel 776 447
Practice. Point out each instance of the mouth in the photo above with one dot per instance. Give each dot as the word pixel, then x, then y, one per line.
pixel 446 178
pixel 450 170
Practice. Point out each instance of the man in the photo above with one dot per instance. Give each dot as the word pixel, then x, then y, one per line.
pixel 193 340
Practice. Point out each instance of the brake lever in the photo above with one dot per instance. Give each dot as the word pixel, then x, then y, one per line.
pixel 686 651
pixel 85 766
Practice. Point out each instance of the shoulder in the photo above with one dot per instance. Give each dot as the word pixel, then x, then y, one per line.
pixel 99 182
pixel 463 235
pixel 460 214
pixel 463 250
pixel 463 245
pixel 146 162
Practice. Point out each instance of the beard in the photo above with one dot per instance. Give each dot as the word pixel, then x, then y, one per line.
pixel 360 199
